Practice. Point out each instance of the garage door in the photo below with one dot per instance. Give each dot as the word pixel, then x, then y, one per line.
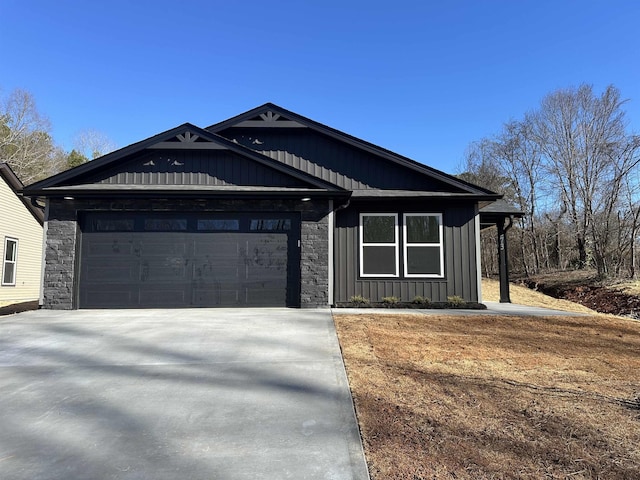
pixel 147 261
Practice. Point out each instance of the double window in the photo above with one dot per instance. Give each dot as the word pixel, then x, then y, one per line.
pixel 420 241
pixel 9 262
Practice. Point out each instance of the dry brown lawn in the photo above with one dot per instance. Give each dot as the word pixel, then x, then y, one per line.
pixel 486 397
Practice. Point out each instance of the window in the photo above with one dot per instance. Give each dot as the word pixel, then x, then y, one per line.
pixel 224 224
pixel 165 224
pixel 10 259
pixel 270 224
pixel 423 256
pixel 378 245
pixel 113 225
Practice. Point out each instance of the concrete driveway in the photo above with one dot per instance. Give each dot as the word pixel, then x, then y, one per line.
pixel 175 394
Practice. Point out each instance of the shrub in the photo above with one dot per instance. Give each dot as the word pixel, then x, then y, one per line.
pixel 359 300
pixel 419 300
pixel 455 301
pixel 390 300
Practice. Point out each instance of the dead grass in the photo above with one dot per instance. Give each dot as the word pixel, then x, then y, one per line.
pixel 525 296
pixel 495 397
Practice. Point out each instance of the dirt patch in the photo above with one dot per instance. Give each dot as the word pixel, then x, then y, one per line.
pixel 18 308
pixel 495 397
pixel 584 288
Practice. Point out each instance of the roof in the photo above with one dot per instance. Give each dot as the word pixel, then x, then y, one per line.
pixel 497 211
pixel 501 207
pixel 81 180
pixel 288 119
pixel 16 186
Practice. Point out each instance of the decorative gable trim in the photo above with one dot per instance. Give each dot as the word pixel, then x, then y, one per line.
pixel 187 141
pixel 270 119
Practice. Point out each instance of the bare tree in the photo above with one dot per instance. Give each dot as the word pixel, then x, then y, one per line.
pixel 93 144
pixel 25 140
pixel 574 170
pixel 582 138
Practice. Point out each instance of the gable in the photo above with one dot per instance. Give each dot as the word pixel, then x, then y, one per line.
pixel 335 156
pixel 186 156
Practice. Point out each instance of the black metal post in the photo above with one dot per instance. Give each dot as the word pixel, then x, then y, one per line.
pixel 503 258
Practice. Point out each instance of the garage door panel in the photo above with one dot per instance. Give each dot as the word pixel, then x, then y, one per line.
pixel 217 297
pixel 113 272
pixel 221 245
pixel 118 296
pixel 265 296
pixel 171 269
pixel 215 273
pixel 171 245
pixel 111 247
pixel 167 296
pixel 244 267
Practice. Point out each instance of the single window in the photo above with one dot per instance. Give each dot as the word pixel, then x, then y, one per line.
pixel 114 225
pixel 10 261
pixel 226 224
pixel 270 224
pixel 423 252
pixel 378 245
pixel 165 224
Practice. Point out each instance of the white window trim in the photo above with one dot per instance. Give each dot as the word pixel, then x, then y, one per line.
pixel 395 245
pixel 14 261
pixel 406 245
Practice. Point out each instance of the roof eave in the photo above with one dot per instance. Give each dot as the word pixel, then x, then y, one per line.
pixel 71 193
pixel 16 185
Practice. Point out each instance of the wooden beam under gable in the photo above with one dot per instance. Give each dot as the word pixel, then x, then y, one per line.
pixel 187 141
pixel 270 119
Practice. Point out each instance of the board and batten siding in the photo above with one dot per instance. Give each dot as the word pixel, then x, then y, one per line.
pixel 344 165
pixel 193 167
pixel 459 256
pixel 17 222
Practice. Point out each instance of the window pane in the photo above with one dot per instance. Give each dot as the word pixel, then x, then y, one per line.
pixel 114 225
pixel 270 224
pixel 165 224
pixel 378 229
pixel 379 260
pixel 10 250
pixel 423 261
pixel 423 229
pixel 219 224
pixel 9 271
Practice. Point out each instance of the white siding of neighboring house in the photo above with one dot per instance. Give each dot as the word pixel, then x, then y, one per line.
pixel 17 222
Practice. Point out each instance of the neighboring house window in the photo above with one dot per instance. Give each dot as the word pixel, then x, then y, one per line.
pixel 10 259
pixel 379 245
pixel 423 255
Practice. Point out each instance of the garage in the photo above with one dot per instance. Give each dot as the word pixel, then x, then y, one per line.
pixel 179 260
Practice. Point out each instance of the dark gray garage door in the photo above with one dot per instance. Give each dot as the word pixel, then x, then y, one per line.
pixel 145 261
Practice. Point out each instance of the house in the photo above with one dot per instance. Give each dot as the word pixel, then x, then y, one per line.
pixel 21 235
pixel 268 208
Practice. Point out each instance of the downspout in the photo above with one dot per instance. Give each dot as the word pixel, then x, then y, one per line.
pixel 44 249
pixel 503 258
pixel 478 256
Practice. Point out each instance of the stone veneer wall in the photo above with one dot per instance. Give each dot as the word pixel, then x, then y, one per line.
pixel 62 235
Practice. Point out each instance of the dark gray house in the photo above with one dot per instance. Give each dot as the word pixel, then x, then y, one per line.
pixel 268 208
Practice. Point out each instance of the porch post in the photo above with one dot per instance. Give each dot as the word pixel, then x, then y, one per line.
pixel 503 225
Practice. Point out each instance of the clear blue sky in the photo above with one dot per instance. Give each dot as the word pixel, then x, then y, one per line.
pixel 423 78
